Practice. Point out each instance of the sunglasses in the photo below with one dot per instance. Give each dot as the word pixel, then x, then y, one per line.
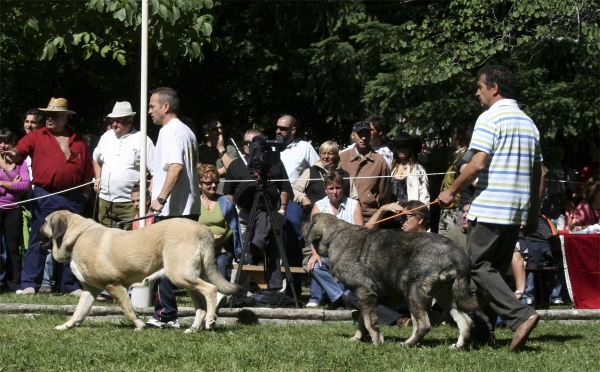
pixel 283 129
pixel 208 183
pixel 216 129
pixel 405 217
pixel 247 143
pixel 54 115
pixel 122 120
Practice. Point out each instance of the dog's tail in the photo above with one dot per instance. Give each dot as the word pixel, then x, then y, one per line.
pixel 214 276
pixel 466 300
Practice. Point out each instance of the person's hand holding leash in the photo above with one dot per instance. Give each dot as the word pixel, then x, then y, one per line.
pixel 445 198
pixel 156 206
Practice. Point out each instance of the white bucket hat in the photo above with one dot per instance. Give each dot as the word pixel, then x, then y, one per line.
pixel 121 109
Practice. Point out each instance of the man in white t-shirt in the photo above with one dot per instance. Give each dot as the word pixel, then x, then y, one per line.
pixel 175 189
pixel 117 166
pixel 297 156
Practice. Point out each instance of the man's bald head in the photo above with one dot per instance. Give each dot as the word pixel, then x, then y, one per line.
pixel 286 128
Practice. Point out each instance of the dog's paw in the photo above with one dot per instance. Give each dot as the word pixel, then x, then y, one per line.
pixel 62 327
pixel 378 340
pixel 455 347
pixel 210 322
pixel 192 329
pixel 139 325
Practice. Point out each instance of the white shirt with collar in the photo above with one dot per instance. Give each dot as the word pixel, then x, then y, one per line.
pixel 298 156
pixel 120 160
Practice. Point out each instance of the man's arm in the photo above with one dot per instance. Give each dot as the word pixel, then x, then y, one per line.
pixel 536 193
pixel 468 175
pixel 226 158
pixel 14 155
pixel 97 174
pixel 173 174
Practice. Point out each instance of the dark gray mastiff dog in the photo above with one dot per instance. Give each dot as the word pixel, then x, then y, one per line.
pixel 380 265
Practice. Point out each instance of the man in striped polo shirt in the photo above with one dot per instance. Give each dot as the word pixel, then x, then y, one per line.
pixel 508 164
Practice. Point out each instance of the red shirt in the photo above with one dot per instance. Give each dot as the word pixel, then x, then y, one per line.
pixel 51 169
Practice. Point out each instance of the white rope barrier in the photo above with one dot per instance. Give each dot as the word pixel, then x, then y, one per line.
pixel 46 196
pixel 246 181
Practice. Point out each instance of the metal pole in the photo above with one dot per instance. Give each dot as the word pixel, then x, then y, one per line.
pixel 141 297
pixel 143 110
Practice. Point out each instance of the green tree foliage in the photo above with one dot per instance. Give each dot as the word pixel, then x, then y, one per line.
pixel 329 63
pixel 109 28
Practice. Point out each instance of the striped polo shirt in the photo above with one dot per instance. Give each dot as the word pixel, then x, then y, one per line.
pixel 512 141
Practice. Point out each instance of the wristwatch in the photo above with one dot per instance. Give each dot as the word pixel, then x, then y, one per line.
pixel 222 153
pixel 161 200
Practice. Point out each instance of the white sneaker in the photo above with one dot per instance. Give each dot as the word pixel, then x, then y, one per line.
pixel 312 304
pixel 557 302
pixel 155 323
pixel 28 291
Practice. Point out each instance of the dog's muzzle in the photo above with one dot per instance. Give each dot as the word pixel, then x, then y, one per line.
pixel 45 240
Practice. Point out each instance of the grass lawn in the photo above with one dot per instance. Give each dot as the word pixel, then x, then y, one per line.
pixel 31 344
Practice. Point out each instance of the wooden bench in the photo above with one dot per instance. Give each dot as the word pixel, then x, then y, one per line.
pixel 257 273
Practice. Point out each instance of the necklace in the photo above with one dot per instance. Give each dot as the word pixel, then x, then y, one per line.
pixel 208 204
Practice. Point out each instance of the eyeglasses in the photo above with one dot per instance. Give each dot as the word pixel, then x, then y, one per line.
pixel 216 129
pixel 55 115
pixel 208 183
pixel 283 129
pixel 405 217
pixel 121 120
pixel 247 143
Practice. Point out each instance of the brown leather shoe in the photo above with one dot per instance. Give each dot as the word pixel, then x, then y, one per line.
pixel 522 332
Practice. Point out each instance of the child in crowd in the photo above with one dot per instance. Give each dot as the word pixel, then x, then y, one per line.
pixel 135 198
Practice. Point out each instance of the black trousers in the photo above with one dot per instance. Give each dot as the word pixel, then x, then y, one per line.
pixel 491 248
pixel 11 223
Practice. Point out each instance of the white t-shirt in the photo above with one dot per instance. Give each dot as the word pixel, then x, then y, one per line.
pixel 120 160
pixel 177 145
pixel 298 156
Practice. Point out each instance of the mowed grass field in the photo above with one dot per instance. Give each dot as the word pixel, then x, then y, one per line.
pixel 31 344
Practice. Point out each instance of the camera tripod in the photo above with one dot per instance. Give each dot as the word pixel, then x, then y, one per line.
pixel 261 201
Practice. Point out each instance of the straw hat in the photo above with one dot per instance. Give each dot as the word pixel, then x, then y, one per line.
pixel 58 105
pixel 121 109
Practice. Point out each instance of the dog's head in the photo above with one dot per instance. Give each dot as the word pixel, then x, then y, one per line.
pixel 51 235
pixel 316 230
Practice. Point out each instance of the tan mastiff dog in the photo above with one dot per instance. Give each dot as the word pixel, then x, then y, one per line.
pixel 113 259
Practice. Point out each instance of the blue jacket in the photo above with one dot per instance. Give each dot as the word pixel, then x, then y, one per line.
pixel 231 217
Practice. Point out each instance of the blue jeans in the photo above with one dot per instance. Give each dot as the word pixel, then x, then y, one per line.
pixel 48 279
pixel 35 259
pixel 316 291
pixel 224 260
pixel 165 303
pixel 530 287
pixel 324 280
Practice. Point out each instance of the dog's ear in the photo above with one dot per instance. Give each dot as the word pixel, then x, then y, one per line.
pixel 59 226
pixel 313 230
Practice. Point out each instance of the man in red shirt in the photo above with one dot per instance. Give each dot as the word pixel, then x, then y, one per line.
pixel 60 160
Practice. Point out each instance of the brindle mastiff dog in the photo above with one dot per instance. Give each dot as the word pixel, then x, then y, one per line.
pixel 113 259
pixel 380 265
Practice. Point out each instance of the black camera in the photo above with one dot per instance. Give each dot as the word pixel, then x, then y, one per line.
pixel 265 152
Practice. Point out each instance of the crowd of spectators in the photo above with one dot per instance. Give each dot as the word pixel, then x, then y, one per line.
pixel 213 183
